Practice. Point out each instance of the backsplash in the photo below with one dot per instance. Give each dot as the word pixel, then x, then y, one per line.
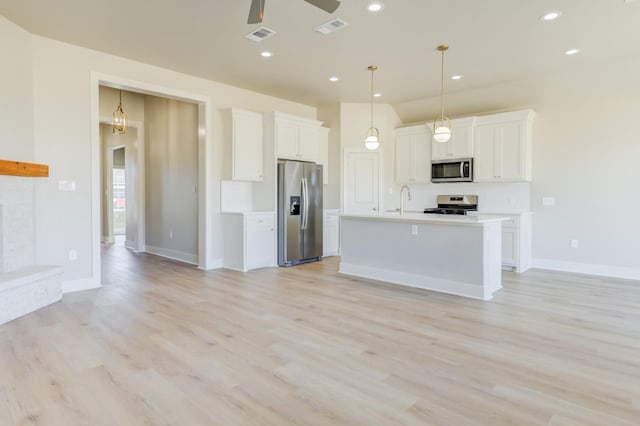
pixel 491 196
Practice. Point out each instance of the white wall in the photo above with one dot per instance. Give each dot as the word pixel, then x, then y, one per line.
pixel 330 116
pixel 171 165
pixel 16 93
pixel 62 104
pixel 587 156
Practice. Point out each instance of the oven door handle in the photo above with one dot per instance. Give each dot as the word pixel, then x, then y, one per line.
pixel 462 169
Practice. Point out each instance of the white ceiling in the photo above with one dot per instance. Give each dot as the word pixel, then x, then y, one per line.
pixel 492 41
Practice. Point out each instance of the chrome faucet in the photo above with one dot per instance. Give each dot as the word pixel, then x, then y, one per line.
pixel 402 198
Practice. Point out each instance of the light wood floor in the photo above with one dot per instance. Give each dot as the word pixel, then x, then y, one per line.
pixel 164 343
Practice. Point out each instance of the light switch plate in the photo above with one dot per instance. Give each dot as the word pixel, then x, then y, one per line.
pixel 548 201
pixel 67 185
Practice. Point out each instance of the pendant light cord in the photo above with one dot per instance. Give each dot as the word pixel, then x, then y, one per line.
pixel 442 87
pixel 372 70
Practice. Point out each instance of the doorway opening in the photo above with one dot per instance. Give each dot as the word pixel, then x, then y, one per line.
pixel 139 215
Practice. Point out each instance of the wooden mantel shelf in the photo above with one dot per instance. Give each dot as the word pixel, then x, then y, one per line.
pixel 18 168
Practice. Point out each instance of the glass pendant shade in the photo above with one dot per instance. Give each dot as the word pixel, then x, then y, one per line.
pixel 372 142
pixel 442 134
pixel 119 119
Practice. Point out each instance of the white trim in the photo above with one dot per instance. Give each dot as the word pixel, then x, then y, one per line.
pixel 71 286
pixel 215 264
pixel 413 280
pixel 588 268
pixel 172 254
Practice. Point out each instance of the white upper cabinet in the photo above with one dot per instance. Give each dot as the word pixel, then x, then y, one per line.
pixel 296 138
pixel 413 156
pixel 308 140
pixel 503 147
pixel 243 145
pixel 461 143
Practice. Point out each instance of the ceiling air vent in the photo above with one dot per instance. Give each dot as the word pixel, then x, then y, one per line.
pixel 260 34
pixel 331 26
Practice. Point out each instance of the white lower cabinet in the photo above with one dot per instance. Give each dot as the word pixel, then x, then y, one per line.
pixel 248 240
pixel 516 239
pixel 331 233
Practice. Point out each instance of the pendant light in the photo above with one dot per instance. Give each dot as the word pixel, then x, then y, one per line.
pixel 372 141
pixel 442 125
pixel 119 119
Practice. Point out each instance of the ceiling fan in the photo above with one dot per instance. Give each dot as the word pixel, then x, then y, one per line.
pixel 256 13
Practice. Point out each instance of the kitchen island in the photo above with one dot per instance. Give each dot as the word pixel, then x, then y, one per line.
pixel 452 254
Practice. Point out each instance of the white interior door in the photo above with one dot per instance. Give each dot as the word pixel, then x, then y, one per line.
pixel 362 182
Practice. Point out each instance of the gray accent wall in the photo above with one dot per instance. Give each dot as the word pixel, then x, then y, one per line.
pixel 171 164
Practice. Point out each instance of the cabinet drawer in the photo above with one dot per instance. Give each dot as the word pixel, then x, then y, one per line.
pixel 260 222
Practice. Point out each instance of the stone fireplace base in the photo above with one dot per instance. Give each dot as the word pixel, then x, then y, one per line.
pixel 28 289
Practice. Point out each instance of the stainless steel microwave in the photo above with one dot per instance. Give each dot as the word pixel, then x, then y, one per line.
pixel 460 170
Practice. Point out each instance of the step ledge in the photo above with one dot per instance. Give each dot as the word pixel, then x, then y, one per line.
pixel 29 274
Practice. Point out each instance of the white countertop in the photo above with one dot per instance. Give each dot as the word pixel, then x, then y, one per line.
pixel 508 212
pixel 246 213
pixel 427 218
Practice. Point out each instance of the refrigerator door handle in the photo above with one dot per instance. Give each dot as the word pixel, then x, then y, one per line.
pixel 305 203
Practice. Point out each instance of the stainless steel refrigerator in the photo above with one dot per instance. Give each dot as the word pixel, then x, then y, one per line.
pixel 299 212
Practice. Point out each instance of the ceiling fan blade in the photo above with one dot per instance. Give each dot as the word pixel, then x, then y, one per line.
pixel 256 12
pixel 326 5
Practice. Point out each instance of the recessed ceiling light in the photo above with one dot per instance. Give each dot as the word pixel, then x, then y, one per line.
pixel 333 79
pixel 572 52
pixel 377 95
pixel 375 6
pixel 550 16
pixel 266 54
pixel 456 77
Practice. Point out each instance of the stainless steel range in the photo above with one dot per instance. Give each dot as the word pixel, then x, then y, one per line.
pixel 455 204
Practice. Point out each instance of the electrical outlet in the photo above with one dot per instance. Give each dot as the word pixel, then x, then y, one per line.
pixel 574 244
pixel 390 191
pixel 171 234
pixel 414 229
pixel 548 201
pixel 73 254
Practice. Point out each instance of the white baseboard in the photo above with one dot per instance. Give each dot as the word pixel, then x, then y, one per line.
pixel 415 280
pixel 588 268
pixel 172 254
pixel 71 286
pixel 214 264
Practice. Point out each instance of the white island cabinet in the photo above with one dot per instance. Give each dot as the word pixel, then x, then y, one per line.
pixel 456 255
